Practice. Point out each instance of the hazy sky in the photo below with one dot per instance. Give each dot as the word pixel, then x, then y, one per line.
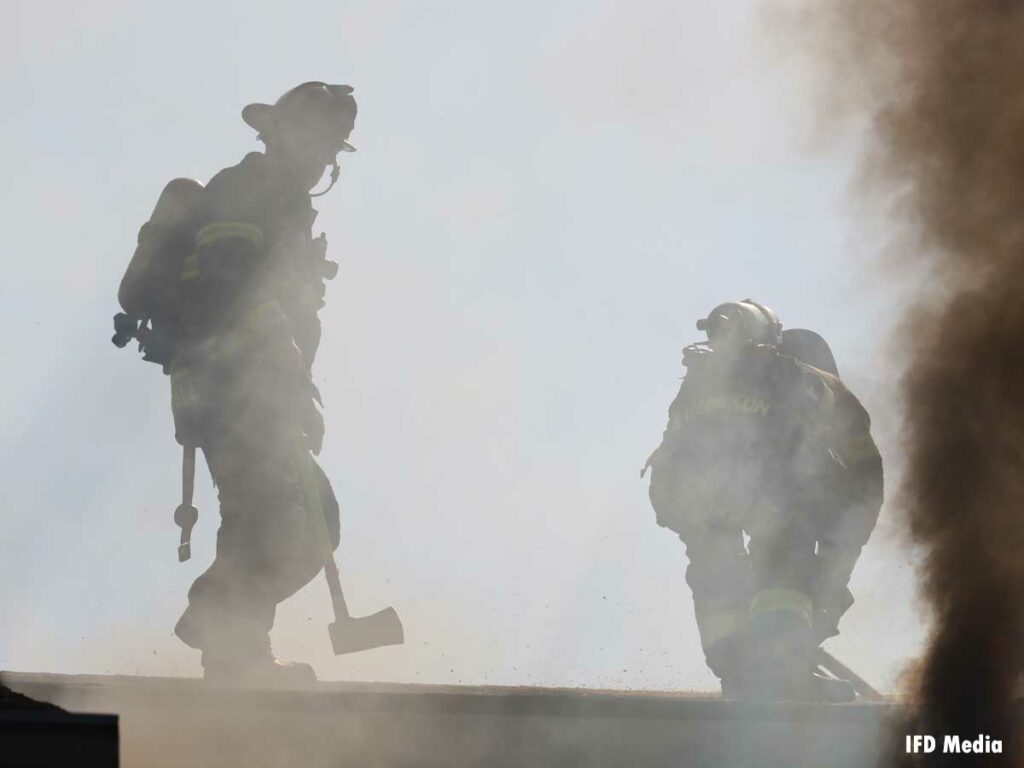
pixel 545 197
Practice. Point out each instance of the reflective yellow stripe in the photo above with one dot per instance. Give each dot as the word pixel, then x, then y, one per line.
pixel 222 230
pixel 772 600
pixel 190 267
pixel 726 405
pixel 718 625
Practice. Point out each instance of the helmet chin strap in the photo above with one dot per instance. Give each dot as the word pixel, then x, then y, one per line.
pixel 335 172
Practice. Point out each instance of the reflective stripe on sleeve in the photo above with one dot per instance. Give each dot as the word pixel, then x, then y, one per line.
pixel 789 600
pixel 223 230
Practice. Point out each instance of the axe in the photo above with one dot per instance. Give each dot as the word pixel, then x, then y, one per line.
pixel 349 633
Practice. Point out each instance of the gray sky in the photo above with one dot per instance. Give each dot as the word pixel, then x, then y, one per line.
pixel 545 197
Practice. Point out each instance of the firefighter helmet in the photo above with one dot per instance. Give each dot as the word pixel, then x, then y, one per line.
pixel 328 111
pixel 741 323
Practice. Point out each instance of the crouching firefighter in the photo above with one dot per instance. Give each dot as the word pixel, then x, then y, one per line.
pixel 764 439
pixel 223 292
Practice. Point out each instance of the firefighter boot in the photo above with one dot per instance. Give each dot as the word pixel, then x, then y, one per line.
pixel 783 669
pixel 782 643
pixel 253 664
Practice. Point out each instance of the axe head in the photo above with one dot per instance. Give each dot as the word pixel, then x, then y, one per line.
pixel 354 634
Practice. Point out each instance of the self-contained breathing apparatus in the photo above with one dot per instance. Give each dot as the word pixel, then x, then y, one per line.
pixel 150 291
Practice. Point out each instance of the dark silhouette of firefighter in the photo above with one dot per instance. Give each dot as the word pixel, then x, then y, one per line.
pixel 223 292
pixel 764 439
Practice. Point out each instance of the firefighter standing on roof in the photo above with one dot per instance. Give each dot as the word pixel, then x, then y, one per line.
pixel 764 439
pixel 234 323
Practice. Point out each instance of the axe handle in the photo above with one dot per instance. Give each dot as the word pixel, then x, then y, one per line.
pixel 188 474
pixel 337 596
pixel 836 667
pixel 185 515
pixel 315 509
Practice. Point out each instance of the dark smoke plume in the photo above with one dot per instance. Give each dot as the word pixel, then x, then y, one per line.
pixel 943 83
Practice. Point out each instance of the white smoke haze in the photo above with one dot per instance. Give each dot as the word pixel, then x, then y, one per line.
pixel 545 197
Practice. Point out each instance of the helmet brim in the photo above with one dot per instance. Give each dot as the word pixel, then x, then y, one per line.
pixel 262 118
pixel 259 116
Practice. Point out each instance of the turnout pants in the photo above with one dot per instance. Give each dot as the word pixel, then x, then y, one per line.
pixel 267 547
pixel 767 591
pixel 766 583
